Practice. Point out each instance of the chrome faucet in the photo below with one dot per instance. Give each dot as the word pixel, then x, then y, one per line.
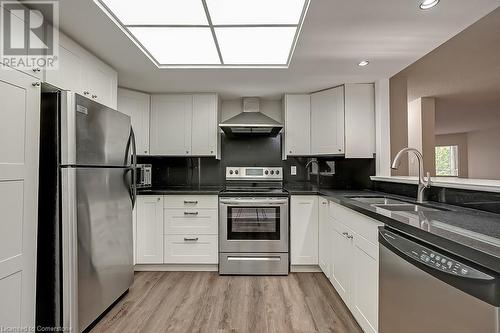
pixel 317 164
pixel 422 182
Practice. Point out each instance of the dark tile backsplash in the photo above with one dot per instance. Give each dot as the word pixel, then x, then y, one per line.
pixel 485 201
pixel 255 151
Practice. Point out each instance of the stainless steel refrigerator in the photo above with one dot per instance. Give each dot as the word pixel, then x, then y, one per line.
pixel 86 196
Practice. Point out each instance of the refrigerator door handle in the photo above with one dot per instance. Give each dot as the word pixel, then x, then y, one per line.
pixel 134 167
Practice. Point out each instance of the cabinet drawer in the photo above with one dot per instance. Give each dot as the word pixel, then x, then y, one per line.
pixel 191 249
pixel 362 225
pixel 191 221
pixel 190 201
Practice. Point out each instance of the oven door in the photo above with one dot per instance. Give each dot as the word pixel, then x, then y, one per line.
pixel 257 225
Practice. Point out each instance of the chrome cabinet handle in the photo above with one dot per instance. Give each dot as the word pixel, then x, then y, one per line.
pixel 190 213
pixel 190 239
pixel 345 234
pixel 350 236
pixel 36 70
pixel 94 96
pixel 86 93
pixel 190 202
pixel 36 84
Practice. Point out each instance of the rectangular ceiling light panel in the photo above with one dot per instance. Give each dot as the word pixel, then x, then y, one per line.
pixel 158 12
pixel 211 33
pixel 245 12
pixel 178 46
pixel 255 45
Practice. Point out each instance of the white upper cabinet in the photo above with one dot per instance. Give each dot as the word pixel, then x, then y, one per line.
pixel 137 106
pixel 171 118
pixel 337 121
pixel 304 229
pixel 359 120
pixel 184 125
pixel 327 122
pixel 81 72
pixel 297 137
pixel 205 132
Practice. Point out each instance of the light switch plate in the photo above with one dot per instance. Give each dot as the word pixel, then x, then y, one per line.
pixel 293 170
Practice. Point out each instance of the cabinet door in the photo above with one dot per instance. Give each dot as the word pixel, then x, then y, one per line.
pixel 297 124
pixel 204 126
pixel 149 229
pixel 341 260
pixel 364 291
pixel 171 117
pixel 324 241
pixel 99 82
pixel 19 137
pixel 69 74
pixel 359 120
pixel 327 122
pixel 136 105
pixel 304 230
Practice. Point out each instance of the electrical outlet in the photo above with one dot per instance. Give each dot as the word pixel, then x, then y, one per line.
pixel 293 170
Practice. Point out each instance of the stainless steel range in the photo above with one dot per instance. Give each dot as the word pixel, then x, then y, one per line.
pixel 253 222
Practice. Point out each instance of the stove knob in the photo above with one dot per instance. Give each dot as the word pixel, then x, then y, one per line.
pixel 272 172
pixel 236 171
pixel 230 172
pixel 266 172
pixel 277 172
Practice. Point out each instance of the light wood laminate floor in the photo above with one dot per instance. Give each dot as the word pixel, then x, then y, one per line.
pixel 207 302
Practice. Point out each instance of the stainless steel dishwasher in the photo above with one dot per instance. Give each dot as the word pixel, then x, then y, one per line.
pixel 423 290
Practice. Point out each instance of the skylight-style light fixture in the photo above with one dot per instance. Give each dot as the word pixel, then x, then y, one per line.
pixel 211 33
pixel 363 63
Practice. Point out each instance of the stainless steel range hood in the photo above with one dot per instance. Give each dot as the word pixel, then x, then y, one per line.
pixel 251 121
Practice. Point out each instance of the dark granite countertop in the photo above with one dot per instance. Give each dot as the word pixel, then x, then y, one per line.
pixel 467 233
pixel 181 190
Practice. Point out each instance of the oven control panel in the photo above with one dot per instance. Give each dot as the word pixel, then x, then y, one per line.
pixel 254 173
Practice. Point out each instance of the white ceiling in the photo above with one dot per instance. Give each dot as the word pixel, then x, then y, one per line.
pixel 336 35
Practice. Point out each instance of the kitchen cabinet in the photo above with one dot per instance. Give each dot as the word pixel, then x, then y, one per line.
pixel 19 161
pixel 184 125
pixel 149 230
pixel 137 106
pixel 327 122
pixel 297 132
pixel 359 120
pixel 324 243
pixel 304 229
pixel 205 126
pixel 80 71
pixel 355 264
pixel 336 121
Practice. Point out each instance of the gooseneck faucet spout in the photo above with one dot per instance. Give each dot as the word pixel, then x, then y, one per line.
pixel 423 183
pixel 317 164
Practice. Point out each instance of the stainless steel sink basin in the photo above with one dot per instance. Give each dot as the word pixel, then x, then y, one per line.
pixel 406 208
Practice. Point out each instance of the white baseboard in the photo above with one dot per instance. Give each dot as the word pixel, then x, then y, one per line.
pixel 176 268
pixel 305 269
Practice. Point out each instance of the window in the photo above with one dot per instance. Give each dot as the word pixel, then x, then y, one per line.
pixel 447 161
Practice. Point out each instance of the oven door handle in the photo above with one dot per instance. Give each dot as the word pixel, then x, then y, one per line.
pixel 253 202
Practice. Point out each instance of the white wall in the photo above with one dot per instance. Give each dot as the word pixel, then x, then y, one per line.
pixel 484 154
pixel 271 108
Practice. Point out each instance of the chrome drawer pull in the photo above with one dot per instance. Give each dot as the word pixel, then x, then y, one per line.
pixel 190 213
pixel 190 202
pixel 190 239
pixel 253 258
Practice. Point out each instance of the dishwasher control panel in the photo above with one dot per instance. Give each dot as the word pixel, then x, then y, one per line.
pixel 432 258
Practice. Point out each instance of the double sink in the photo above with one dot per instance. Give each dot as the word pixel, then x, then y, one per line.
pixel 394 205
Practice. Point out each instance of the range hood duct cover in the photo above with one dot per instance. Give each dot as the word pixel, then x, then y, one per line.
pixel 251 121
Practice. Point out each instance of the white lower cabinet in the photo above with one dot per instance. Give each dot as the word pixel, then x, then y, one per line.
pixel 354 263
pixel 304 229
pixel 191 249
pixel 149 230
pixel 177 229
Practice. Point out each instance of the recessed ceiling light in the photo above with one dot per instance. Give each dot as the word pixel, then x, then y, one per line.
pixel 363 63
pixel 428 4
